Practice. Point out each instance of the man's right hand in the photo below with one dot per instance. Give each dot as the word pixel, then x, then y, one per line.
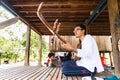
pixel 69 47
pixel 76 58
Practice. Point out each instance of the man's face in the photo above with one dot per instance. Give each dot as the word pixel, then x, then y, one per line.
pixel 78 32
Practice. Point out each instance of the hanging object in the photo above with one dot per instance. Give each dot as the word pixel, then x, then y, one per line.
pixel 54 29
pixel 8 22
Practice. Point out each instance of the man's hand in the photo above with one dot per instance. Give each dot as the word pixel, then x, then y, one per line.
pixel 56 26
pixel 67 46
pixel 76 58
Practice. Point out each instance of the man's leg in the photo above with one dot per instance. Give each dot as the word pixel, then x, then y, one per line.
pixel 71 69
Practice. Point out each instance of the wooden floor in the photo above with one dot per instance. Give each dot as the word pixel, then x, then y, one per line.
pixel 34 73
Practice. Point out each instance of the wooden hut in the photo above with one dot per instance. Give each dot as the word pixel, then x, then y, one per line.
pixel 100 16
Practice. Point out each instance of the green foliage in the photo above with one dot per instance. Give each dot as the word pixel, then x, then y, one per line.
pixel 11 55
pixel 34 40
pixel 14 48
pixel 23 42
pixel 2 42
pixel 35 45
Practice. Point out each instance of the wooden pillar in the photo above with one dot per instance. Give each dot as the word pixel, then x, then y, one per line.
pixel 115 32
pixel 40 51
pixel 27 52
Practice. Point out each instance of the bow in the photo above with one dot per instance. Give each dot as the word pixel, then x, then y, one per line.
pixel 54 30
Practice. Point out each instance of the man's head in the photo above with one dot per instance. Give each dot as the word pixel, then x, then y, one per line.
pixel 51 55
pixel 80 30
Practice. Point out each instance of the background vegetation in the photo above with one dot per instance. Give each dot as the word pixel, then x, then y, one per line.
pixel 13 45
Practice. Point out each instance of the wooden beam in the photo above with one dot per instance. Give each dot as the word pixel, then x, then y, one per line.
pixel 61 16
pixel 55 4
pixel 54 14
pixel 63 20
pixel 96 11
pixel 22 10
pixel 115 32
pixel 27 52
pixel 67 20
pixel 55 9
pixel 73 24
pixel 61 12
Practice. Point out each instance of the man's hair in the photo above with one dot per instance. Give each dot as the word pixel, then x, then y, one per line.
pixel 51 54
pixel 82 26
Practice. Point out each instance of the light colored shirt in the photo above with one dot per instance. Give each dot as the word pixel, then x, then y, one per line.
pixel 89 54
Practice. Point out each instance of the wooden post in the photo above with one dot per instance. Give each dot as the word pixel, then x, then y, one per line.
pixel 40 51
pixel 27 52
pixel 115 32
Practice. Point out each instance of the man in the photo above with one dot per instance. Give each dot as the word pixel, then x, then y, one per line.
pixel 87 57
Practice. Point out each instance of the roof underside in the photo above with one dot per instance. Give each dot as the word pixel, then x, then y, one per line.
pixel 69 13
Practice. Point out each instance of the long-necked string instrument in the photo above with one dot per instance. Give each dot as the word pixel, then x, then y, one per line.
pixel 54 30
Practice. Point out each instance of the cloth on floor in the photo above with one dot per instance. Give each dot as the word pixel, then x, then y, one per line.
pixel 89 78
pixel 113 77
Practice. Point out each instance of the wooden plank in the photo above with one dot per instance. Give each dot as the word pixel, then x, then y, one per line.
pixel 64 77
pixel 43 73
pixel 51 74
pixel 10 73
pixel 22 74
pixel 47 74
pixel 79 77
pixel 10 70
pixel 74 77
pixel 69 78
pixel 59 75
pixel 37 75
pixel 33 74
pixel 77 4
pixel 56 74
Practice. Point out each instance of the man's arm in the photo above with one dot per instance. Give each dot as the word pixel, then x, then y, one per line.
pixel 69 47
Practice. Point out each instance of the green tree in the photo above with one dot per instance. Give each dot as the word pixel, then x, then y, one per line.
pixel 44 45
pixel 13 45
